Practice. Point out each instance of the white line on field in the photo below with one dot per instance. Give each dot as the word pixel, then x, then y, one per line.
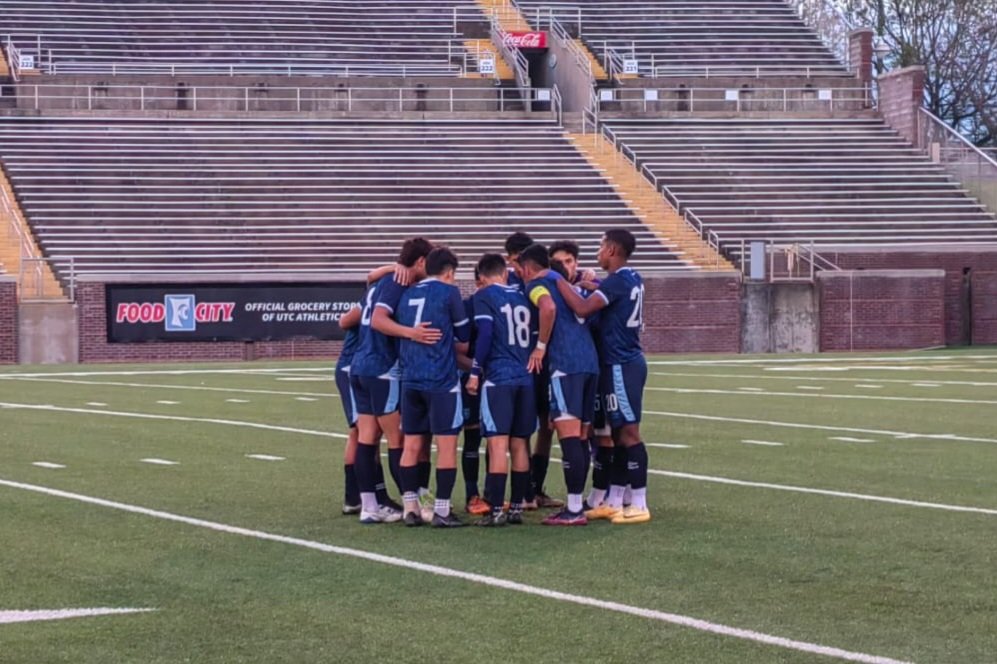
pixel 164 402
pixel 203 388
pixel 865 386
pixel 9 617
pixel 175 418
pixel 825 492
pixel 823 379
pixel 161 372
pixel 860 397
pixel 668 446
pixel 752 389
pixel 237 401
pixel 48 464
pixel 494 582
pixel 329 434
pixel 847 439
pixel 820 360
pixel 160 462
pixel 822 427
pixel 305 399
pixel 306 379
pixel 265 457
pixel 764 443
pixel 99 404
pixel 809 387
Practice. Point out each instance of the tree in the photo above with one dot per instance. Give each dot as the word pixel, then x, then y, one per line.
pixel 955 40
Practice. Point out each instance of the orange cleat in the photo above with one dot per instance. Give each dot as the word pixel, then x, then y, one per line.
pixel 478 506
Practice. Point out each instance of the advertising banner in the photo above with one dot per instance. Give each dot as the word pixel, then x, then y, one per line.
pixel 228 312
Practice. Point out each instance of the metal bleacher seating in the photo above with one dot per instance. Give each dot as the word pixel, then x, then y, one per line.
pixel 841 183
pixel 696 38
pixel 182 37
pixel 301 196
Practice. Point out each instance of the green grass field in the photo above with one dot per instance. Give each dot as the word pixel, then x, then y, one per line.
pixel 859 525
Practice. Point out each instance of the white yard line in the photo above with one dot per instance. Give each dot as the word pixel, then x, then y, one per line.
pixel 668 446
pixel 48 464
pixel 175 418
pixel 164 402
pixel 99 404
pixel 266 457
pixel 160 462
pixel 865 386
pixel 859 397
pixel 491 581
pixel 822 379
pixel 201 388
pixel 810 387
pixel 848 439
pixel 236 401
pixel 763 443
pixel 822 427
pixel 161 372
pixel 821 360
pixel 9 617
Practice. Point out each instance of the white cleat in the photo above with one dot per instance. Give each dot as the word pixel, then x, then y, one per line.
pixel 384 514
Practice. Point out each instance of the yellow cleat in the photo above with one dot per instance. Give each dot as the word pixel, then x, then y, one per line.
pixel 603 511
pixel 631 515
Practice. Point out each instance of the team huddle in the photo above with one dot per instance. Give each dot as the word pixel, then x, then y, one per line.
pixel 539 348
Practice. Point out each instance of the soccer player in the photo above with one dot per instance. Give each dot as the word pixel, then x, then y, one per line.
pixel 514 245
pixel 470 452
pixel 350 323
pixel 431 393
pixel 374 376
pixel 620 299
pixel 574 369
pixel 501 374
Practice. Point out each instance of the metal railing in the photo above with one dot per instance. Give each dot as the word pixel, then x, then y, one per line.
pixel 261 98
pixel 31 282
pixel 738 100
pixel 405 69
pixel 793 262
pixel 974 168
pixel 742 71
pixel 560 33
pixel 14 59
pixel 512 55
pixel 31 274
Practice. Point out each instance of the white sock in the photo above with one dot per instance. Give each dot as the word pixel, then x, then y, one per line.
pixel 368 502
pixel 615 496
pixel 442 507
pixel 596 496
pixel 639 499
pixel 574 502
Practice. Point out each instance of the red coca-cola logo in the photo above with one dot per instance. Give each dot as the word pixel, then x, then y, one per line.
pixel 526 39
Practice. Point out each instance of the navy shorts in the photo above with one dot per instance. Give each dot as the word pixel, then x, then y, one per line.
pixel 439 412
pixel 375 396
pixel 472 404
pixel 621 387
pixel 572 396
pixel 600 426
pixel 346 395
pixel 508 410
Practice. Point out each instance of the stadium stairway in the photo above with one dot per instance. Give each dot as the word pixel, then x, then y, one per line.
pixel 646 203
pixel 477 48
pixel 41 285
pixel 509 18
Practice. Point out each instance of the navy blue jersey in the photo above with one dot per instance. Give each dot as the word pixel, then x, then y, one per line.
pixel 469 312
pixel 424 366
pixel 350 343
pixel 514 280
pixel 622 318
pixel 571 349
pixel 377 354
pixel 510 315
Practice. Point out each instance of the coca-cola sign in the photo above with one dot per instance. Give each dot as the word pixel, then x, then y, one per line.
pixel 526 39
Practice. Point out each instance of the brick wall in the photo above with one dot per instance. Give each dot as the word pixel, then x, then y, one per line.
pixel 958 322
pixel 860 54
pixel 901 94
pixel 92 305
pixel 985 306
pixel 8 320
pixel 881 309
pixel 698 313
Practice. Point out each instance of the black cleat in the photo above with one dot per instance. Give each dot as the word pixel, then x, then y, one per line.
pixel 514 518
pixel 351 507
pixel 393 505
pixel 413 519
pixel 492 520
pixel 449 521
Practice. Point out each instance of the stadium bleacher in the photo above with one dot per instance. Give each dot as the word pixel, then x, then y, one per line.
pixel 701 38
pixel 296 37
pixel 842 182
pixel 207 196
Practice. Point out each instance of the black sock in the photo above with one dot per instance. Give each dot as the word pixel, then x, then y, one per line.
pixel 618 474
pixel 425 472
pixel 470 461
pixel 410 480
pixel 637 466
pixel 538 466
pixel 495 491
pixel 573 461
pixel 520 484
pixel 445 480
pixel 394 464
pixel 587 456
pixel 380 488
pixel 601 467
pixel 352 493
pixel 366 467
